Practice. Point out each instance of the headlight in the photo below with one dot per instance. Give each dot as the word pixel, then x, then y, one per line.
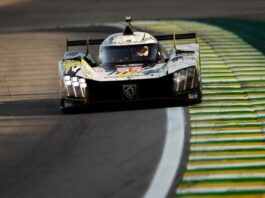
pixel 176 76
pixel 68 83
pixel 82 80
pixel 179 76
pixel 74 79
pixel 67 78
pixel 190 72
pixel 83 85
pixel 184 79
pixel 75 86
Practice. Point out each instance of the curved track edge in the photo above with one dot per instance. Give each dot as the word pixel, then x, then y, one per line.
pixel 172 165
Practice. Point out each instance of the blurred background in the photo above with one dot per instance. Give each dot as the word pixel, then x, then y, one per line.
pixel 40 13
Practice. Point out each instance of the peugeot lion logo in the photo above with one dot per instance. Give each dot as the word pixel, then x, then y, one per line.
pixel 129 90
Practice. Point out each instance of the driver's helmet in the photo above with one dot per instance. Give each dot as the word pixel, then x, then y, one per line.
pixel 144 51
pixel 147 44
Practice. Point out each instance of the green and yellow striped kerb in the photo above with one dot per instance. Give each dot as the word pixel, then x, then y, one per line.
pixel 227 157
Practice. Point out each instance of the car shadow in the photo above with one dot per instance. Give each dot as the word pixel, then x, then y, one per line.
pixel 126 106
pixel 36 107
pixel 46 107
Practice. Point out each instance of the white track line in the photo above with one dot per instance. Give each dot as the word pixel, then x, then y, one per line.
pixel 225 176
pixel 171 157
pixel 221 166
pixel 220 157
pixel 211 132
pixel 220 190
pixel 242 124
pixel 247 65
pixel 214 139
pixel 224 148
pixel 220 110
pixel 220 116
pixel 226 104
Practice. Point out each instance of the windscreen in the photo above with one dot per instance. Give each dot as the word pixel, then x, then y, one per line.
pixel 130 54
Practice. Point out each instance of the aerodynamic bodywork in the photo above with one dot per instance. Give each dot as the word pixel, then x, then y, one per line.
pixel 130 66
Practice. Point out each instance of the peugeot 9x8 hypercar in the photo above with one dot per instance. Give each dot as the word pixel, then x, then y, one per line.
pixel 130 66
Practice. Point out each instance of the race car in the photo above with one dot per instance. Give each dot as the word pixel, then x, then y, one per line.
pixel 131 66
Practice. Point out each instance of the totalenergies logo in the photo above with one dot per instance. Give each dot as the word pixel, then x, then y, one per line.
pixel 129 71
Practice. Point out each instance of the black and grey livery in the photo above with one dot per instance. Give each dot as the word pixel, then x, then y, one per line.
pixel 131 66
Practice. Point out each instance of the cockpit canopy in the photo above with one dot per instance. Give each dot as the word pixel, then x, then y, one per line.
pixel 128 47
pixel 128 54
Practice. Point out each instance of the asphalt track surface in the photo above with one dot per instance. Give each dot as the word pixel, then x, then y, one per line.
pixel 47 154
pixel 102 154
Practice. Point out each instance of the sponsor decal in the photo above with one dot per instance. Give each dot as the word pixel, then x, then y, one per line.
pixel 98 70
pixel 129 90
pixel 128 74
pixel 129 71
pixel 69 64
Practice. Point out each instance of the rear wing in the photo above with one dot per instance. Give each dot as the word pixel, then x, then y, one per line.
pixel 176 37
pixel 158 37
